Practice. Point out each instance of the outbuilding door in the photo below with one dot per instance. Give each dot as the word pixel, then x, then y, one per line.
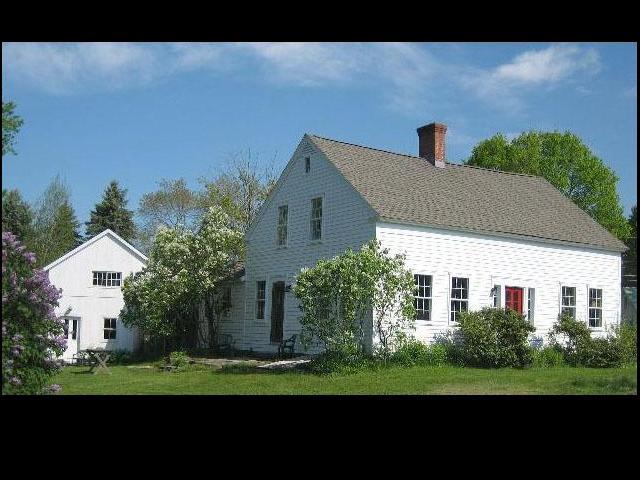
pixel 72 333
pixel 277 311
pixel 513 299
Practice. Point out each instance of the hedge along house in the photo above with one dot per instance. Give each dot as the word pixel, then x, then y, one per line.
pixel 91 277
pixel 473 237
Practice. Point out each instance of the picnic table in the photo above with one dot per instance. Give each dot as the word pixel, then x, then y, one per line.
pixel 98 359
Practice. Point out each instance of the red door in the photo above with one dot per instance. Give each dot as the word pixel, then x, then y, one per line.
pixel 513 299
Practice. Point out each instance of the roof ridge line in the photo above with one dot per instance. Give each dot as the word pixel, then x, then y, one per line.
pixel 421 158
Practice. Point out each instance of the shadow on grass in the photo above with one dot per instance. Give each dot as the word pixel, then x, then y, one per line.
pixel 253 369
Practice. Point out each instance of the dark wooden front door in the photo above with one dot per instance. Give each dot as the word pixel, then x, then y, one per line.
pixel 513 299
pixel 277 311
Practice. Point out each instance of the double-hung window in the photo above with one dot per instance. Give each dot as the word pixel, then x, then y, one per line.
pixel 595 307
pixel 109 328
pixel 531 304
pixel 107 279
pixel 283 219
pixel 261 287
pixel 316 218
pixel 459 297
pixel 422 296
pixel 568 304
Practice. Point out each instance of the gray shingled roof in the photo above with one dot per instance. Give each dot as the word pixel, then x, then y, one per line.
pixel 408 189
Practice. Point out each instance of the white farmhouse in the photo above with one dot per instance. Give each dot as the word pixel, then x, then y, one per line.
pixel 91 277
pixel 473 237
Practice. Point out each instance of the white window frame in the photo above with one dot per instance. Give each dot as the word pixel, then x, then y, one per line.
pixel 110 329
pixel 451 299
pixel 109 277
pixel 429 298
pixel 322 222
pixel 307 164
pixel 531 305
pixel 286 227
pixel 575 297
pixel 601 308
pixel 264 301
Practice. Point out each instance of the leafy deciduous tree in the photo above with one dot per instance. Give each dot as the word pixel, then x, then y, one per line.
pixel 184 269
pixel 11 124
pixel 337 296
pixel 567 163
pixel 56 229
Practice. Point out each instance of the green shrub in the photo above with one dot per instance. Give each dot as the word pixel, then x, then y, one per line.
pixel 121 357
pixel 343 364
pixel 628 336
pixel 495 338
pixel 452 344
pixel 178 359
pixel 413 352
pixel 600 353
pixel 548 357
pixel 569 336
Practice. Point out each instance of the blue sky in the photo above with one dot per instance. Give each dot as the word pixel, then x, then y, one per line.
pixel 143 112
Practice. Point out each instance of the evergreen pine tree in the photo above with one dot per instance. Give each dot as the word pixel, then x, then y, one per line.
pixel 112 213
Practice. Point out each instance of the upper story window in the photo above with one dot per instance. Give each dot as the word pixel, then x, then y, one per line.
pixel 422 296
pixel 568 304
pixel 459 297
pixel 316 218
pixel 307 164
pixel 595 307
pixel 107 279
pixel 260 299
pixel 283 219
pixel 109 328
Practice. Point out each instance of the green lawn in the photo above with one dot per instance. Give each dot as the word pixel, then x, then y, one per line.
pixel 416 380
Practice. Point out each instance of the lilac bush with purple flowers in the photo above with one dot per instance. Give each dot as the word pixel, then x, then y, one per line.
pixel 32 336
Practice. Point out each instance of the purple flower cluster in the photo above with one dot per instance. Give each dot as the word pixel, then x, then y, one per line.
pixel 28 304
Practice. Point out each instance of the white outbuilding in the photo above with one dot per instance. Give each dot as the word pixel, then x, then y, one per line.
pixel 91 278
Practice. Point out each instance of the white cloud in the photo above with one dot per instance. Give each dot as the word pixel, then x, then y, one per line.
pixel 409 77
pixel 631 92
pixel 506 84
pixel 64 67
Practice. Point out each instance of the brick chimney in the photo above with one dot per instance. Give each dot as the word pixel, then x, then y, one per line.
pixel 431 143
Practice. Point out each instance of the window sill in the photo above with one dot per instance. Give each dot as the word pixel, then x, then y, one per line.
pixel 315 242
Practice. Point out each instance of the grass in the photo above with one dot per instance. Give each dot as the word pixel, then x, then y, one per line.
pixel 415 380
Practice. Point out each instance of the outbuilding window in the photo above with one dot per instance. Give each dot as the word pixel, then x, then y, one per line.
pixel 107 279
pixel 109 328
pixel 307 164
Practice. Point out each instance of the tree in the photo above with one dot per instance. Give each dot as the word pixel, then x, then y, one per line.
pixel 174 205
pixel 241 190
pixel 630 257
pixel 11 124
pixel 17 216
pixel 184 269
pixel 567 163
pixel 111 212
pixel 337 296
pixel 32 336
pixel 56 230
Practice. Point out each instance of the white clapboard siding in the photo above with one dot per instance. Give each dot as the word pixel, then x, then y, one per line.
pixel 348 221
pixel 491 260
pixel 230 323
pixel 92 303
